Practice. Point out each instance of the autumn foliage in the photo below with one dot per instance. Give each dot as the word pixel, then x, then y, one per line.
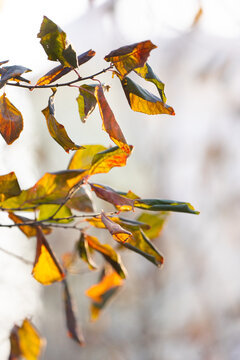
pixel 60 199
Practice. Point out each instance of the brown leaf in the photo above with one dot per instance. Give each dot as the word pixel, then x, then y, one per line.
pixel 11 121
pixel 127 58
pixel 117 232
pixel 70 311
pixel 110 124
pixel 9 186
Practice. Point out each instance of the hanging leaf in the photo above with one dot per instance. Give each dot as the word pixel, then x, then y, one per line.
pixel 59 71
pixel 125 223
pixel 51 188
pixel 165 205
pixel 84 253
pixel 70 310
pixel 48 210
pixel 147 73
pixel 82 201
pixel 143 101
pixel 28 230
pixel 46 268
pixel 55 44
pixel 12 72
pixel 25 342
pixel 9 186
pixel 96 159
pixel 140 244
pixel 117 232
pixel 156 222
pixel 56 130
pixel 110 124
pixel 108 253
pixel 108 194
pixel 130 57
pixel 11 121
pixel 86 101
pixel 103 291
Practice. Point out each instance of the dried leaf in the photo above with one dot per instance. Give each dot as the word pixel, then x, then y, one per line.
pixel 11 121
pixel 70 310
pixel 117 232
pixel 46 268
pixel 108 194
pixel 25 342
pixel 28 230
pixel 147 73
pixel 9 186
pixel 55 44
pixel 59 71
pixel 56 130
pixel 86 101
pixel 110 124
pixel 143 101
pixel 11 72
pixel 83 251
pixel 82 201
pixel 108 253
pixel 130 57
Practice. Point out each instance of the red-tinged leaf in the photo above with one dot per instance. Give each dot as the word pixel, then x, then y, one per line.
pixel 109 254
pixel 55 44
pixel 70 310
pixel 117 232
pixel 156 223
pixel 110 124
pixel 96 159
pixel 9 186
pixel 28 230
pixel 147 73
pixel 11 72
pixel 46 269
pixel 56 130
pixel 108 194
pixel 59 71
pixel 102 292
pixel 130 57
pixel 143 101
pixel 51 188
pixel 84 253
pixel 25 342
pixel 11 121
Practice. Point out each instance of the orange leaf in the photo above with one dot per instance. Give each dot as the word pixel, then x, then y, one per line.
pixel 110 124
pixel 25 342
pixel 46 268
pixel 28 230
pixel 117 232
pixel 127 58
pixel 11 121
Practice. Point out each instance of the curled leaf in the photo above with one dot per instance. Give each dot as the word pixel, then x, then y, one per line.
pixel 46 269
pixel 127 58
pixel 56 130
pixel 55 44
pixel 86 101
pixel 84 253
pixel 11 121
pixel 117 232
pixel 165 205
pixel 110 124
pixel 70 310
pixel 12 72
pixel 142 100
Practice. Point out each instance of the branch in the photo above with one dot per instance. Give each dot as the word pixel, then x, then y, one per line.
pixel 28 262
pixel 31 87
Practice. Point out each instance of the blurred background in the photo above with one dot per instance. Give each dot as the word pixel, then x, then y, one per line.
pixel 190 309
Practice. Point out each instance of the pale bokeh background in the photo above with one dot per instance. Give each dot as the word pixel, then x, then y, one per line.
pixel 190 309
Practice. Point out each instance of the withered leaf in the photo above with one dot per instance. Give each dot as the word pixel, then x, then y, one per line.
pixel 83 251
pixel 82 201
pixel 46 269
pixel 110 124
pixel 117 232
pixel 86 101
pixel 9 186
pixel 70 310
pixel 12 72
pixel 143 101
pixel 127 58
pixel 11 121
pixel 56 130
pixel 55 44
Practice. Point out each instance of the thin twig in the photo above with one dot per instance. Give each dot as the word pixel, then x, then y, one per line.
pixel 28 262
pixel 61 84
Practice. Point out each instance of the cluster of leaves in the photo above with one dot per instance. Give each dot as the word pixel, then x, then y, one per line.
pixel 63 200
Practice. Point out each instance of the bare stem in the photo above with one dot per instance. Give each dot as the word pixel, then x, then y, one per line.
pixel 28 262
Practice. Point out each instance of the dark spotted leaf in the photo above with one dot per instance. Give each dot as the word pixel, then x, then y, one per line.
pixel 56 130
pixel 11 121
pixel 128 58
